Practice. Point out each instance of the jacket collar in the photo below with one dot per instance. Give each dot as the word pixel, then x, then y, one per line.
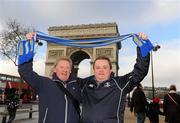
pixel 172 91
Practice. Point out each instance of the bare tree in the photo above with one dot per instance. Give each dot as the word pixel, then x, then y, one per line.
pixel 9 38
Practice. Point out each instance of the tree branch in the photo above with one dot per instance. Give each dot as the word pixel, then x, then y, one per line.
pixel 5 54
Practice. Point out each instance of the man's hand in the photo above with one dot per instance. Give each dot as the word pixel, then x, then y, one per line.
pixel 143 43
pixel 26 49
pixel 31 35
pixel 142 36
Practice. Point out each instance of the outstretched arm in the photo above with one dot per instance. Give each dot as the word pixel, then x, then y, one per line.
pixel 25 58
pixel 139 72
pixel 32 78
pixel 140 68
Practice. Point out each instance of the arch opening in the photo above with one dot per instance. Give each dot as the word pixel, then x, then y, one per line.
pixel 77 57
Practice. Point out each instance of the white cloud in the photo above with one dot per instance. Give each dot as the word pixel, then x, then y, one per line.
pixel 1 28
pixel 67 12
pixel 7 67
pixel 162 11
pixel 148 13
pixel 166 62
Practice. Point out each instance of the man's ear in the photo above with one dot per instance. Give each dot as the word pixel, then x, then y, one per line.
pixel 54 70
pixel 111 71
pixel 112 74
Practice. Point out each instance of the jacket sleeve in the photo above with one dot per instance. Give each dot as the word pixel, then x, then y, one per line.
pixel 140 70
pixel 32 78
pixel 165 105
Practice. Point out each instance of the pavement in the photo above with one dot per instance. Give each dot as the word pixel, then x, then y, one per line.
pixel 24 117
pixel 131 118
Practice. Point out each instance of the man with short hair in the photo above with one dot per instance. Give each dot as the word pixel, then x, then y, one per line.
pixel 139 103
pixel 54 105
pixel 104 95
pixel 171 106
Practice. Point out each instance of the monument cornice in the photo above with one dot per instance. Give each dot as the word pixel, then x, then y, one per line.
pixel 81 26
pixel 85 31
pixel 90 36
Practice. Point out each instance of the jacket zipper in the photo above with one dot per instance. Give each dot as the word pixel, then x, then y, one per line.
pixel 44 120
pixel 66 101
pixel 66 106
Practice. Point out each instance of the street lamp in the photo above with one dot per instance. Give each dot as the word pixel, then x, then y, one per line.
pixel 156 47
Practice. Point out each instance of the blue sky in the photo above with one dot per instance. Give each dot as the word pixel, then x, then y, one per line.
pixel 159 19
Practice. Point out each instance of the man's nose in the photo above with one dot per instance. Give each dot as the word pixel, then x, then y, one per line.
pixel 100 69
pixel 65 70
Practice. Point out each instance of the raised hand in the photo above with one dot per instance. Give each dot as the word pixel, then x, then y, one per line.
pixel 31 35
pixel 142 35
pixel 25 51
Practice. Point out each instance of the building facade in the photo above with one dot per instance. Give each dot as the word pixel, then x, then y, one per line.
pixel 79 32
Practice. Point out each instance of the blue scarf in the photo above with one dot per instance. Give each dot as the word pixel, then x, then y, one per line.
pixel 26 47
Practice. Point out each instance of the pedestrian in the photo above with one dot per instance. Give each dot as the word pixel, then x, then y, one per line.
pixel 104 95
pixel 13 103
pixel 154 111
pixel 139 104
pixel 55 105
pixel 171 106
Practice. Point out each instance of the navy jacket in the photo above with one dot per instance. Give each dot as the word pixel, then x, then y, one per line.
pixel 138 102
pixel 54 105
pixel 171 109
pixel 105 103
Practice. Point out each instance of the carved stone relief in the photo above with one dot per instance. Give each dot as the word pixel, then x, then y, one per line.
pixel 54 54
pixel 89 50
pixel 70 50
pixel 104 52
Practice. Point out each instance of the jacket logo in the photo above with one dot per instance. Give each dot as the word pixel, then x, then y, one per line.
pixel 73 88
pixel 91 85
pixel 107 84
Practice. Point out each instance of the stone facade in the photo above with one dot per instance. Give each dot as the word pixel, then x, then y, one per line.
pixel 77 32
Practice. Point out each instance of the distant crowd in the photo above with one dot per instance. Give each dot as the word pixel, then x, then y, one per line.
pixel 142 108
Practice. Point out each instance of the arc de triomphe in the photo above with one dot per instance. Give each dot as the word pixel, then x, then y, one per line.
pixel 77 32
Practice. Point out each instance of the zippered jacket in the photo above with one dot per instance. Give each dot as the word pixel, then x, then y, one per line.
pixel 105 103
pixel 54 105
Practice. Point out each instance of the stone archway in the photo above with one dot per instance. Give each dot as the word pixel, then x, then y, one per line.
pixel 77 57
pixel 77 32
